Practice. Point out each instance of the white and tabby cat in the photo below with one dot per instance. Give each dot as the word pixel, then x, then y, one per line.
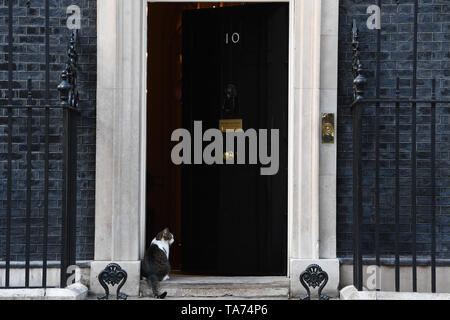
pixel 156 266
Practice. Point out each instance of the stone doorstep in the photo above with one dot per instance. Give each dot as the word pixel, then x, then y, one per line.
pixel 351 293
pixel 242 287
pixel 76 291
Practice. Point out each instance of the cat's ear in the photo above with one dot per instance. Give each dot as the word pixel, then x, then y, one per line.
pixel 160 236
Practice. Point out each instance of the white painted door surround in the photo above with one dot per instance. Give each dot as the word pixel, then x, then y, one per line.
pixel 121 139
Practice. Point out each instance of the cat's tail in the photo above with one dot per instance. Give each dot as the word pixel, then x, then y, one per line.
pixel 154 281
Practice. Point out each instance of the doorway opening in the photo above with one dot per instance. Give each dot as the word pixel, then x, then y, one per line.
pixel 226 221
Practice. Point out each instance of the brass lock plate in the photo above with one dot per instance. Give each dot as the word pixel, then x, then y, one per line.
pixel 230 124
pixel 328 128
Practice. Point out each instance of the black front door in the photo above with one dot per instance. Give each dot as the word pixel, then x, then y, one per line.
pixel 235 66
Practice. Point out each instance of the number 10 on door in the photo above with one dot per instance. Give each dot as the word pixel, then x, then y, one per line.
pixel 235 38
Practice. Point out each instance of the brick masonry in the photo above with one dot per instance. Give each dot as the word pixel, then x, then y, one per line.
pixel 396 60
pixel 29 63
pixel 396 56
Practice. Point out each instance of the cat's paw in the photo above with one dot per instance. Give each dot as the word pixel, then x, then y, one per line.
pixel 166 278
pixel 161 296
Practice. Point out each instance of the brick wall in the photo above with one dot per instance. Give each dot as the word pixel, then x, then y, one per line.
pixel 396 60
pixel 29 63
pixel 397 27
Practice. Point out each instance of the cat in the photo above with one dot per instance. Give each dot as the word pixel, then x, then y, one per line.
pixel 156 266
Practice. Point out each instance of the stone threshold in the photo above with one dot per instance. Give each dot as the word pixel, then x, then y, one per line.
pixel 74 292
pixel 112 297
pixel 222 287
pixel 351 293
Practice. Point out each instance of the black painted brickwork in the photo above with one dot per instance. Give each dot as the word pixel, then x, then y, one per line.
pixel 29 62
pixel 397 27
pixel 396 60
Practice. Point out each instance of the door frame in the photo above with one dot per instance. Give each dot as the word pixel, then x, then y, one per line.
pixel 291 89
pixel 120 130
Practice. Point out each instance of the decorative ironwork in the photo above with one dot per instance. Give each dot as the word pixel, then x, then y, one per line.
pixel 314 277
pixel 359 81
pixel 42 109
pixel 30 92
pixel 113 275
pixel 398 104
pixel 68 87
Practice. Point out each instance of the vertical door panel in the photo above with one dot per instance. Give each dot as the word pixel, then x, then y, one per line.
pixel 234 219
